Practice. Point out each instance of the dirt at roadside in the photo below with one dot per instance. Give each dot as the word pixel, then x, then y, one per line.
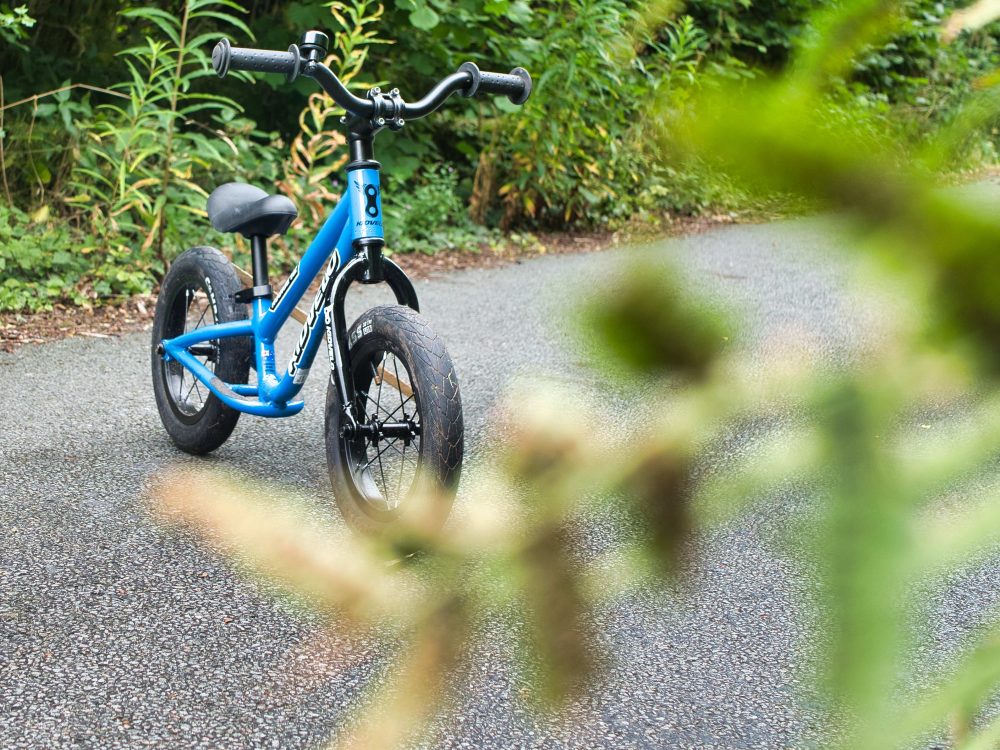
pixel 136 314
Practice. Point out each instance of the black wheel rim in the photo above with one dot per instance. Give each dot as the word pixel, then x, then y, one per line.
pixel 385 456
pixel 189 310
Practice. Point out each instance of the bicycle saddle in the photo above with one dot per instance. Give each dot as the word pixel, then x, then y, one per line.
pixel 237 207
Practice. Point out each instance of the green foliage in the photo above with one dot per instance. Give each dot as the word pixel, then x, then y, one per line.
pixel 779 134
pixel 575 151
pixel 14 25
pixel 138 176
pixel 44 263
pixel 431 216
pixel 761 35
pixel 639 326
pixel 40 147
pixel 131 165
pixel 128 171
pixel 577 162
pixel 318 150
pixel 33 275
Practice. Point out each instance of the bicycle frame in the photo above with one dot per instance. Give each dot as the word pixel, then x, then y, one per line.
pixel 350 244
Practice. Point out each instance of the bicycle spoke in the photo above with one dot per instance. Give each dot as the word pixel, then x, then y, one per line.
pixel 380 381
pixel 382 473
pixel 399 388
pixel 375 447
pixel 402 467
pixel 378 406
pixel 194 382
pixel 398 458
pixel 193 310
pixel 180 385
pixel 392 444
pixel 203 314
pixel 376 378
pixel 396 410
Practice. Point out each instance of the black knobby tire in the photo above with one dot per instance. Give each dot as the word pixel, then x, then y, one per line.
pixel 198 289
pixel 402 375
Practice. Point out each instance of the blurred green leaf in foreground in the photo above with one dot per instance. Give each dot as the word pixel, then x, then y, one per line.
pixel 873 540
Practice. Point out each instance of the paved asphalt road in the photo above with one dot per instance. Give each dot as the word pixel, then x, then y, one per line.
pixel 114 633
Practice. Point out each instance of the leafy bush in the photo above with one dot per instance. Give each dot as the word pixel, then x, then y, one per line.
pixel 431 216
pixel 130 170
pixel 131 165
pixel 14 24
pixel 758 35
pixel 42 263
pixel 318 150
pixel 36 265
pixel 138 177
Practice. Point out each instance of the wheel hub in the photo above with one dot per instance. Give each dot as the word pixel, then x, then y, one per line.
pixel 375 431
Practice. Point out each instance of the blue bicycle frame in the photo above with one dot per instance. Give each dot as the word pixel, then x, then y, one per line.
pixel 350 241
pixel 350 244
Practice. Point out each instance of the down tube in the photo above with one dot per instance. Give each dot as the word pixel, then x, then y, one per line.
pixel 312 332
pixel 302 276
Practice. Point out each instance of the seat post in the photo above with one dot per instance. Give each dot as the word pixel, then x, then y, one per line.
pixel 258 254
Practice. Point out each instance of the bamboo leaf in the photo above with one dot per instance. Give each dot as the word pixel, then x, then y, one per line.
pixel 164 21
pixel 226 18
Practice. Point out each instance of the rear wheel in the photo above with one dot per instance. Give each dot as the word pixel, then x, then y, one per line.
pixel 197 292
pixel 411 436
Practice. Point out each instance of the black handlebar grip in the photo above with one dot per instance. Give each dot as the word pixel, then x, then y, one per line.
pixel 516 85
pixel 225 57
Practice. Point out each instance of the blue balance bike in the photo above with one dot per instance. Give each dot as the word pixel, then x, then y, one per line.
pixel 393 409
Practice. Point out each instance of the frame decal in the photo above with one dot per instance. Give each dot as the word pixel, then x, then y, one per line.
pixel 366 203
pixel 295 365
pixel 284 288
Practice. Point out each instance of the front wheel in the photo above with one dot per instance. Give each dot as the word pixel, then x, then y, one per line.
pixel 411 438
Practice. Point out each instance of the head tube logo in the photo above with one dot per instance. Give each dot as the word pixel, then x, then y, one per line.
pixel 371 222
pixel 371 200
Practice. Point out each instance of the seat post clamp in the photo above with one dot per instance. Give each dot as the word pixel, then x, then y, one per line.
pixel 245 296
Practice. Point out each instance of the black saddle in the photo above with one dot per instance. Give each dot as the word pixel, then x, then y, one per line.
pixel 237 207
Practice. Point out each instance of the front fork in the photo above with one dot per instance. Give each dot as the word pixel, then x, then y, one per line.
pixel 368 266
pixel 360 269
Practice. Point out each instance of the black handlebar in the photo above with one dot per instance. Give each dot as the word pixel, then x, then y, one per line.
pixel 515 85
pixel 225 57
pixel 381 109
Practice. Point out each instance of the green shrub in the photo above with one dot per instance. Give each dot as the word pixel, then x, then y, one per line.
pixel 14 25
pixel 138 176
pixel 37 264
pixel 132 167
pixel 43 262
pixel 430 216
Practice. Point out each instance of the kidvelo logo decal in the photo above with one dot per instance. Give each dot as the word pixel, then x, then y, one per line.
pixel 295 368
pixel 371 207
pixel 284 289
